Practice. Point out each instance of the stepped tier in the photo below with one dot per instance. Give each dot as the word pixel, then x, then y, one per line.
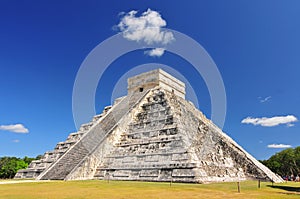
pixel 152 134
pixel 36 167
pixel 168 139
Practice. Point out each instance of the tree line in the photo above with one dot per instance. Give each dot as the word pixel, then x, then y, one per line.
pixel 9 166
pixel 285 163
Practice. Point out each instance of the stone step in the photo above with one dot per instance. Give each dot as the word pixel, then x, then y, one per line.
pixel 92 138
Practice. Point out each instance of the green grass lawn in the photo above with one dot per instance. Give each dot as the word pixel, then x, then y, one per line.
pixel 125 189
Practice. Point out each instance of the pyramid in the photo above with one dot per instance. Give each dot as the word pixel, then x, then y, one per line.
pixel 152 134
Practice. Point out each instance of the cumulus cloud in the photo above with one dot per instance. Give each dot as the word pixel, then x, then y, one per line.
pixel 272 121
pixel 156 52
pixel 145 28
pixel 279 146
pixel 15 128
pixel 263 100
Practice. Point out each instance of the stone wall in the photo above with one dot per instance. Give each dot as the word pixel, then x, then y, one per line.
pixel 150 148
pixel 155 78
pixel 168 139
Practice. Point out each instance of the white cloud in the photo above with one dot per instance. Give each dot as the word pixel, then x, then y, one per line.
pixel 156 52
pixel 145 28
pixel 279 146
pixel 15 128
pixel 290 125
pixel 272 121
pixel 263 100
pixel 16 141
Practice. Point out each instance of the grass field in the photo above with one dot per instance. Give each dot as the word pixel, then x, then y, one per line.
pixel 125 189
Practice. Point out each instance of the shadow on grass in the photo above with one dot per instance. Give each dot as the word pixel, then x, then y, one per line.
pixel 286 188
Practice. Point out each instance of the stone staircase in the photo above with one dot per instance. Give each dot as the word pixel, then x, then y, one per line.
pixel 95 135
pixel 152 148
pixel 36 167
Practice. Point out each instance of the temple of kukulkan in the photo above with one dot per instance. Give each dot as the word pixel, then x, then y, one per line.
pixel 152 134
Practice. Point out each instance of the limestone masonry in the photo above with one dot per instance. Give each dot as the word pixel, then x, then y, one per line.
pixel 152 134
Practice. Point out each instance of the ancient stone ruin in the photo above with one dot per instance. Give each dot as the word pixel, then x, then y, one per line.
pixel 152 134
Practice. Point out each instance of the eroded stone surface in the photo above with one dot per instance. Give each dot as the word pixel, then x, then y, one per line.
pixel 153 134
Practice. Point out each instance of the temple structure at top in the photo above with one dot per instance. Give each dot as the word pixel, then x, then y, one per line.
pixel 154 78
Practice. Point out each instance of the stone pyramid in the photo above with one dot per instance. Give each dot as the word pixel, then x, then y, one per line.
pixel 152 134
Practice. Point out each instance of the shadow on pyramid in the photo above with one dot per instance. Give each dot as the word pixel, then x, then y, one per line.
pixel 152 134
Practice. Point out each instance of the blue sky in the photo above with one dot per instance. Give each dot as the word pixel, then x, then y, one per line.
pixel 254 44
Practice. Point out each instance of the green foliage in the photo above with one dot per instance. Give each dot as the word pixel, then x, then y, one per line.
pixel 28 160
pixel 9 166
pixel 285 163
pixel 38 157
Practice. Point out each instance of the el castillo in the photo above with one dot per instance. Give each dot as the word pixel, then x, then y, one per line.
pixel 152 134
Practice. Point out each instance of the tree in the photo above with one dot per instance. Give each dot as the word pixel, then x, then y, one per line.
pixel 28 160
pixel 285 163
pixel 10 166
pixel 38 157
